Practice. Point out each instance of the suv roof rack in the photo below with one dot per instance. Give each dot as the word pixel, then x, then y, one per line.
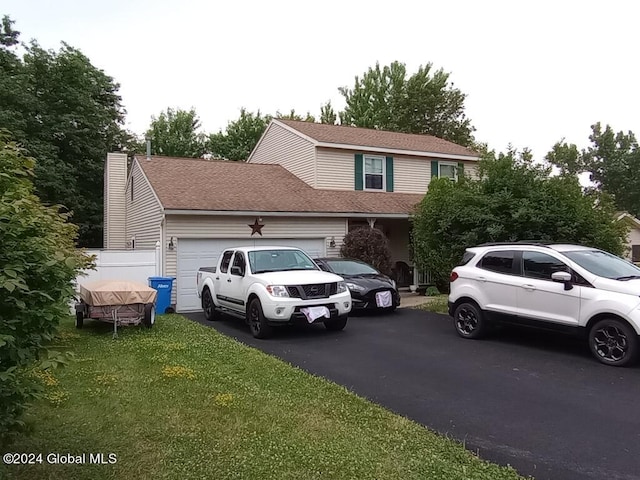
pixel 535 243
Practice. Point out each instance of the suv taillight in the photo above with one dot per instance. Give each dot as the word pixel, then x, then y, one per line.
pixel 453 277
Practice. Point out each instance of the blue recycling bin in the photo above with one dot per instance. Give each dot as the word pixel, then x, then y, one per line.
pixel 163 285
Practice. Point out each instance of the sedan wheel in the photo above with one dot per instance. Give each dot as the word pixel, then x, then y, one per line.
pixel 468 321
pixel 612 342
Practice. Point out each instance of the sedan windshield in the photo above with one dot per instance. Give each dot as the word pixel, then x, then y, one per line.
pixel 349 267
pixel 263 261
pixel 604 264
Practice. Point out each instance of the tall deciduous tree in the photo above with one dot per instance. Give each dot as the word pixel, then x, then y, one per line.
pixel 292 115
pixel 66 113
pixel 240 136
pixel 514 199
pixel 175 133
pixel 426 102
pixel 612 160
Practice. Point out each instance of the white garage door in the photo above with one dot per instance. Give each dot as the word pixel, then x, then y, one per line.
pixel 196 253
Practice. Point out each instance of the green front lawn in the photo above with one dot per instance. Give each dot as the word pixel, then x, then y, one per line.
pixel 437 304
pixel 181 401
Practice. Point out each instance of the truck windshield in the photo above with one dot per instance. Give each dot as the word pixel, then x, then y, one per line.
pixel 604 264
pixel 263 261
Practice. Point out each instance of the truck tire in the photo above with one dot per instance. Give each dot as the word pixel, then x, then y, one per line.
pixel 210 312
pixel 337 324
pixel 149 317
pixel 79 319
pixel 258 324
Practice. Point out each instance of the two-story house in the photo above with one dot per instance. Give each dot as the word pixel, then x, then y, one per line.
pixel 304 184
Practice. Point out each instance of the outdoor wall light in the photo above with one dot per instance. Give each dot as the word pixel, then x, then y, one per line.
pixel 172 245
pixel 332 242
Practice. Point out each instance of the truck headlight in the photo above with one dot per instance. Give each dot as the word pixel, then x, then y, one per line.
pixel 342 287
pixel 277 290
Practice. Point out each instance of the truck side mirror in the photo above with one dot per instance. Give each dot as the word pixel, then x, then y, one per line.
pixel 235 270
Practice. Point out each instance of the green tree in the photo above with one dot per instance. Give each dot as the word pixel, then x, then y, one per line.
pixel 292 115
pixel 426 102
pixel 240 136
pixel 174 133
pixel 66 113
pixel 514 199
pixel 612 161
pixel 38 263
pixel 327 114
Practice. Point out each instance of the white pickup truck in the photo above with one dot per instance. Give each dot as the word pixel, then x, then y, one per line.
pixel 270 286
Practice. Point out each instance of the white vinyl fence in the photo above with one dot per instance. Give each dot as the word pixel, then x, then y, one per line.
pixel 135 265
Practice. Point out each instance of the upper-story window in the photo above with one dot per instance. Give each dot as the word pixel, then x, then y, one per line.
pixel 448 170
pixel 374 173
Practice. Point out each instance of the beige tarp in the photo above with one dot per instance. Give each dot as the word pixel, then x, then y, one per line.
pixel 116 292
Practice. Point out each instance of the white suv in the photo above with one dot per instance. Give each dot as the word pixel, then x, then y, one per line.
pixel 568 288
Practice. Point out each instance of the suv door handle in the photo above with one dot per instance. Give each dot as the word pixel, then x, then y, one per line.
pixel 528 287
pixel 481 279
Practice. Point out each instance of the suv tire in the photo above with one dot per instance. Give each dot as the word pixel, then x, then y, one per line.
pixel 613 342
pixel 469 321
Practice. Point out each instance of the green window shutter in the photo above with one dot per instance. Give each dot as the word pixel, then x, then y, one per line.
pixel 359 167
pixel 460 169
pixel 434 169
pixel 389 174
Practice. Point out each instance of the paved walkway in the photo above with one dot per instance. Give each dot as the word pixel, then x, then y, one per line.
pixel 408 299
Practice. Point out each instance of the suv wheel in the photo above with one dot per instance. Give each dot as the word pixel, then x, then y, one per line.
pixel 469 321
pixel 613 342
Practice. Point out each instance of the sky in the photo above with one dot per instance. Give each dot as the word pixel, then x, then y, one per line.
pixel 534 72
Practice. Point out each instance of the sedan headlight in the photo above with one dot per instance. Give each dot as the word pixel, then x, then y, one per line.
pixel 277 290
pixel 393 284
pixel 356 287
pixel 342 287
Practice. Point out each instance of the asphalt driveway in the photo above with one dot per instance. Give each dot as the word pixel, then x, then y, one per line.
pixel 532 400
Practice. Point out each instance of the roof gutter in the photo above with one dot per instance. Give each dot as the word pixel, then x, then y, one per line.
pixel 413 153
pixel 249 213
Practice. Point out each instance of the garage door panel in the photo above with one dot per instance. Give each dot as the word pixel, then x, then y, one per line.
pixel 195 253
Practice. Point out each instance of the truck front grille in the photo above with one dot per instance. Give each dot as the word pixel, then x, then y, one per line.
pixel 316 290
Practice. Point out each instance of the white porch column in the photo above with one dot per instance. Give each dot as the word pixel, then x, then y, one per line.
pixel 371 222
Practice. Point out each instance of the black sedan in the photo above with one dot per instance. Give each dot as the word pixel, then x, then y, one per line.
pixel 369 288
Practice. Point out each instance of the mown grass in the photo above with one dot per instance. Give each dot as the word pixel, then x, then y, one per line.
pixel 437 304
pixel 181 401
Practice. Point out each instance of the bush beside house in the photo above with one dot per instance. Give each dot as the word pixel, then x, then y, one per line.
pixel 38 263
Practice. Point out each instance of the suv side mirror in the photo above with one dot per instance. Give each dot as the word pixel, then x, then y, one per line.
pixel 235 270
pixel 562 277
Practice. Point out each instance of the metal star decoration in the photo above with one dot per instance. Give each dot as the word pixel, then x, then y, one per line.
pixel 256 227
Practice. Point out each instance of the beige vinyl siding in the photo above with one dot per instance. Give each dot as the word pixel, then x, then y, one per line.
pixel 144 213
pixel 633 238
pixel 202 226
pixel 335 169
pixel 115 178
pixel 411 174
pixel 280 146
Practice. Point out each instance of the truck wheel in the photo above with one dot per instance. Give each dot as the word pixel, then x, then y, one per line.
pixel 257 323
pixel 210 312
pixel 337 324
pixel 149 315
pixel 79 319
